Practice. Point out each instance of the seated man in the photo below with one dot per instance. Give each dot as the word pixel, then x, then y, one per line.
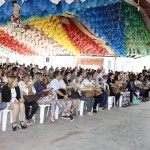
pixel 25 88
pixel 58 87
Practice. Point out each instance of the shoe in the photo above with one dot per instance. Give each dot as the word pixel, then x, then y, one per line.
pixel 71 118
pixel 65 117
pixel 15 128
pixel 94 111
pixel 23 126
pixel 102 109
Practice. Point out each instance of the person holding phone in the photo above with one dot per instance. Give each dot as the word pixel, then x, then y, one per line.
pixel 11 95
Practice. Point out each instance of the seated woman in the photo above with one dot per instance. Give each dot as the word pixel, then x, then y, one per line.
pixel 28 89
pixel 72 91
pixel 101 97
pixel 48 98
pixel 11 95
pixel 116 91
pixel 142 88
pixel 132 87
pixel 84 87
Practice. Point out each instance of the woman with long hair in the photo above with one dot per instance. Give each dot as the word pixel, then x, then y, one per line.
pixel 84 87
pixel 72 92
pixel 11 95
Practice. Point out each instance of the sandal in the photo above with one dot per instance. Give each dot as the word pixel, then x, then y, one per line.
pixel 23 126
pixel 16 127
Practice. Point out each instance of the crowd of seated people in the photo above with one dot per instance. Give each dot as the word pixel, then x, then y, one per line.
pixel 23 88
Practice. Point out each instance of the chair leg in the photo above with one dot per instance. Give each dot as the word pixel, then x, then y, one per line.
pixel 114 101
pixel 76 111
pixel 48 110
pixel 81 108
pixel 0 116
pixel 4 122
pixel 11 119
pixel 57 112
pixel 120 101
pixel 97 107
pixel 110 101
pixel 33 118
pixel 42 109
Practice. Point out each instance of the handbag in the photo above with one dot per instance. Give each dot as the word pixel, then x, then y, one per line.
pixel 75 94
pixel 115 90
pixel 97 93
pixel 89 93
pixel 30 98
pixel 123 89
pixel 44 94
pixel 136 101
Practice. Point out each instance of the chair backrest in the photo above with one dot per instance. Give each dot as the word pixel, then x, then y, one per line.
pixel 106 86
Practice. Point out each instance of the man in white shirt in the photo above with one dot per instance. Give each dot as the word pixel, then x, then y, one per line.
pixel 24 89
pixel 58 87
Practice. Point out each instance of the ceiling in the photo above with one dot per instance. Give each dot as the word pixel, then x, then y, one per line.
pixel 144 8
pixel 145 4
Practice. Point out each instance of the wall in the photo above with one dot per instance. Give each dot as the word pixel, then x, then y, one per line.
pixel 122 64
pixel 90 62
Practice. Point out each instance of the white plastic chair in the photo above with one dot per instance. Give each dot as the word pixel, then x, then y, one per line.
pixel 120 101
pixel 3 118
pixel 42 111
pixel 111 101
pixel 81 107
pixel 106 86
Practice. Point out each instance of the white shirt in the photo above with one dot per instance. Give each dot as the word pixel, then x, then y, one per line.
pixel 55 85
pixel 87 82
pixel 24 88
pixel 13 95
pixel 81 86
pixel 63 84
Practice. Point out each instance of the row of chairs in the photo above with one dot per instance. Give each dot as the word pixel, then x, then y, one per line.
pixel 4 113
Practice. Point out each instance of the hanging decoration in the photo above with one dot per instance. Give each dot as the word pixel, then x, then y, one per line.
pixel 10 43
pixel 137 34
pixel 6 52
pixel 108 23
pixel 113 21
pixel 16 25
pixel 53 29
pixel 37 41
pixel 67 34
pixel 82 42
pixel 38 8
